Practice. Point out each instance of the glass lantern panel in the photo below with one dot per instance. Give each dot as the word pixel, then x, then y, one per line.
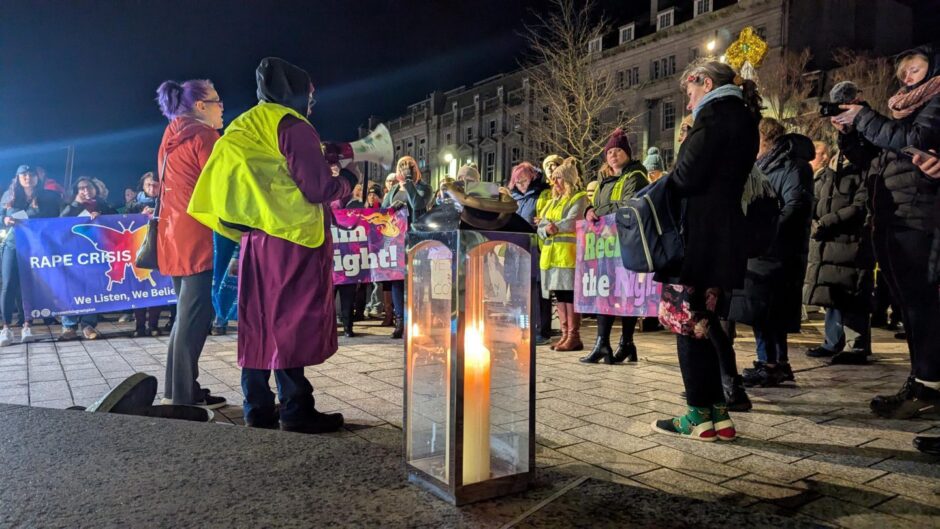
pixel 497 356
pixel 428 356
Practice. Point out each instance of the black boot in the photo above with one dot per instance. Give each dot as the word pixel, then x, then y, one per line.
pixel 913 399
pixel 735 395
pixel 626 351
pixel 602 351
pixel 928 445
pixel 399 329
pixel 348 328
pixel 602 348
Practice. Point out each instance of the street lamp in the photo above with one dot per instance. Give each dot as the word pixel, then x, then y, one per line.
pixel 710 46
pixel 448 157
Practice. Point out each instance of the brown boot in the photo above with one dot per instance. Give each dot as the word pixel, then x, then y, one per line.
pixel 562 319
pixel 574 331
pixel 389 320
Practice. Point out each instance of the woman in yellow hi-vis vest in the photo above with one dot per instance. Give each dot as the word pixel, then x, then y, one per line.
pixel 266 184
pixel 620 178
pixel 556 229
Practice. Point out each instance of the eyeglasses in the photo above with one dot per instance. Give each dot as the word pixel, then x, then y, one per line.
pixel 216 101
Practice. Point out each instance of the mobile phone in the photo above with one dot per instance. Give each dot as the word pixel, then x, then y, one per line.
pixel 910 150
pixel 828 109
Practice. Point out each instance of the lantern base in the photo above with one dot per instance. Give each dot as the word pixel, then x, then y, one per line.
pixel 485 490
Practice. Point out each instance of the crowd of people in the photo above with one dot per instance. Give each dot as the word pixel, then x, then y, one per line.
pixel 843 218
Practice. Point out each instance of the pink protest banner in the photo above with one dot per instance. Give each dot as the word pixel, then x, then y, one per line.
pixel 601 284
pixel 368 245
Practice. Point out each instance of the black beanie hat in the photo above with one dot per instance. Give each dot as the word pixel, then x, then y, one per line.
pixel 283 83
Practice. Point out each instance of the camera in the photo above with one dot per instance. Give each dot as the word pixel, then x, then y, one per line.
pixel 828 109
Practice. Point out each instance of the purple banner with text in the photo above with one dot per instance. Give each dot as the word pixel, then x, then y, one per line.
pixel 369 245
pixel 601 284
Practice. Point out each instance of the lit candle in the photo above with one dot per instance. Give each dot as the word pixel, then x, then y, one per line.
pixel 476 407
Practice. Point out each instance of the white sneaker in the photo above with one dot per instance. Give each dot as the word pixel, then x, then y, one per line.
pixel 27 335
pixel 6 337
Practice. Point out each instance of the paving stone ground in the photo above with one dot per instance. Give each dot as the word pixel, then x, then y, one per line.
pixel 810 450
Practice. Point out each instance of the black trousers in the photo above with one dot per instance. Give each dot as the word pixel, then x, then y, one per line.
pixel 605 325
pixel 545 316
pixel 347 302
pixel 904 256
pixel 699 358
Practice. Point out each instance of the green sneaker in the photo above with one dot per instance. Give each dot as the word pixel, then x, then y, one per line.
pixel 696 424
pixel 724 426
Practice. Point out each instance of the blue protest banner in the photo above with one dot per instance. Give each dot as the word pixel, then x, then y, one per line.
pixel 77 265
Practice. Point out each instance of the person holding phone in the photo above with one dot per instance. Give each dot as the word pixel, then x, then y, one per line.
pixel 408 191
pixel 905 215
pixel 27 200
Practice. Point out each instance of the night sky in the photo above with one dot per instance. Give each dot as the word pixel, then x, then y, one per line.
pixel 84 72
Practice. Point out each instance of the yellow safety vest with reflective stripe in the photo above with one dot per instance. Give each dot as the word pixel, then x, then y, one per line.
pixel 246 182
pixel 559 250
pixel 617 193
pixel 544 198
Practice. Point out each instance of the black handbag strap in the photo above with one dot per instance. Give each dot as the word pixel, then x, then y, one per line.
pixel 156 209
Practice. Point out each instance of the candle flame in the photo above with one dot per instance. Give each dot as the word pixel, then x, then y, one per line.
pixel 476 355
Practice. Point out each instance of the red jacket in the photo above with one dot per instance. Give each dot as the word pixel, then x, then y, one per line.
pixel 184 246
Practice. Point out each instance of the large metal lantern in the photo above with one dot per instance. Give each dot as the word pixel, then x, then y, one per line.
pixel 469 397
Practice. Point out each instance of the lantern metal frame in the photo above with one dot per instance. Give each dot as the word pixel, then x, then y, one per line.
pixel 460 243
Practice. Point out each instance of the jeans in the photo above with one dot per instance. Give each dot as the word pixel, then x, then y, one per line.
pixel 771 346
pixel 293 390
pixel 847 329
pixel 190 330
pixel 10 281
pixel 375 298
pixel 904 256
pixel 398 298
pixel 86 320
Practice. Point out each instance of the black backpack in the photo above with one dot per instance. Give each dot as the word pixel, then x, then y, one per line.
pixel 649 228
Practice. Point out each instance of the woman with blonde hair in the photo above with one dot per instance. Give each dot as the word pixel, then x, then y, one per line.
pixel 619 179
pixel 411 192
pixel 556 230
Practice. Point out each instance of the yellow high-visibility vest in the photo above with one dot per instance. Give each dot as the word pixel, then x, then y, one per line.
pixel 246 182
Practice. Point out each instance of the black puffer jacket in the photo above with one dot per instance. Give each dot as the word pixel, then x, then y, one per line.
pixel 771 298
pixel 902 196
pixel 841 259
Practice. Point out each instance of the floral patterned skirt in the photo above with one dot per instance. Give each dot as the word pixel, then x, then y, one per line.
pixel 687 310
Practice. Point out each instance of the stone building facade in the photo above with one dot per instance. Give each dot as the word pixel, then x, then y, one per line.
pixel 486 123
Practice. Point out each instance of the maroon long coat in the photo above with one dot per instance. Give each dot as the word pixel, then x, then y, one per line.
pixel 286 316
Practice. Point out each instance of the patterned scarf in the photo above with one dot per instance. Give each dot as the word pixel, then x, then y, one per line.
pixel 904 103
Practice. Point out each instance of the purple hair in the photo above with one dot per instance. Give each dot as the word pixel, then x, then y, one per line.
pixel 177 99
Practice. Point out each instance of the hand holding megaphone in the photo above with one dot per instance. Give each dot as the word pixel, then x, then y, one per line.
pixel 376 147
pixel 338 153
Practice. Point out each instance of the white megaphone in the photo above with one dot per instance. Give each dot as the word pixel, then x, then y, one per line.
pixel 376 147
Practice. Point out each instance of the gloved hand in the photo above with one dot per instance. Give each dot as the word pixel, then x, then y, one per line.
pixel 397 205
pixel 332 152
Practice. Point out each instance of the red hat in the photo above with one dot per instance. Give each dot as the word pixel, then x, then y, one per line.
pixel 618 139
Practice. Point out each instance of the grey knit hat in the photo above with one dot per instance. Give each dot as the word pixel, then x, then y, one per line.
pixel 653 162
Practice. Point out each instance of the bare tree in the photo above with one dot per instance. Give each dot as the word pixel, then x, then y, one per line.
pixel 785 84
pixel 873 75
pixel 573 94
